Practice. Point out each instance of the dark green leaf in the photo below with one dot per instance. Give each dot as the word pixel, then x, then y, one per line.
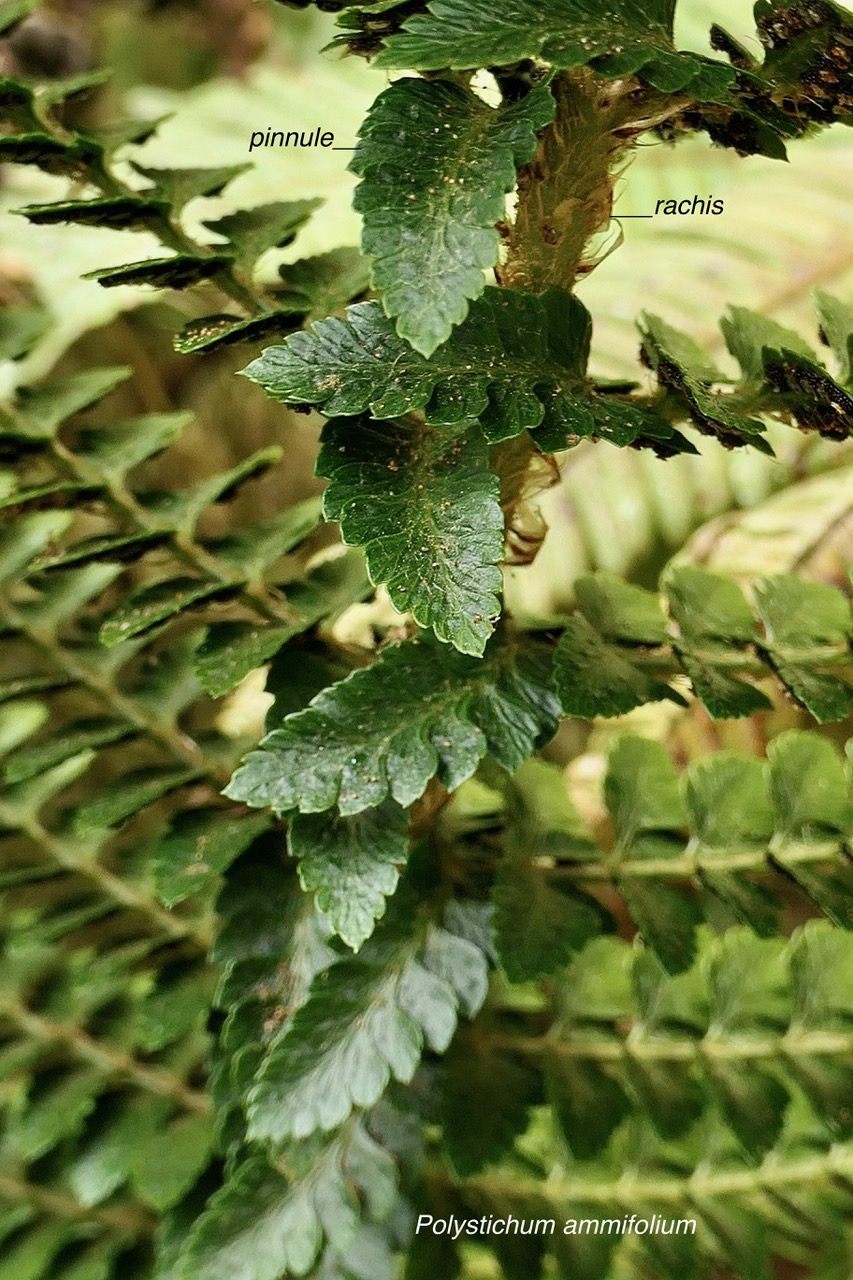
pixel 115 212
pixel 682 368
pixel 183 509
pixel 23 685
pixel 627 38
pixel 430 227
pixel 53 1111
pixel 485 1103
pixel 178 272
pixel 211 333
pixel 815 400
pixel 351 865
pixel 50 154
pixel 104 1164
pixel 230 650
pixel 365 1022
pixel 425 506
pixel 55 494
pixel 180 1003
pixel 421 710
pixel 115 549
pixel 666 918
pixel 82 735
pixel 516 362
pixel 539 923
pixel 724 696
pixel 153 605
pixel 253 548
pixel 588 1103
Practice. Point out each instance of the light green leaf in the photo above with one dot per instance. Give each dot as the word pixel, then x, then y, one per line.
pixel 122 798
pixel 30 534
pixel 799 617
pixel 20 330
pixel 48 405
pixel 199 846
pixel 748 335
pixel 641 790
pixel 119 447
pixel 621 611
pixel 54 1112
pixel 836 324
pixel 366 1022
pixel 105 1162
pixel 14 11
pixel 273 1219
pixel 168 1163
pixel 250 232
pixel 177 187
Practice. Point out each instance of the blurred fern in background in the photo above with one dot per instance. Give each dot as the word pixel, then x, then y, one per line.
pixel 441 806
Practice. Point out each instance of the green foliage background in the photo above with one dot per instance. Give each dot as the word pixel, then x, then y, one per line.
pixel 543 932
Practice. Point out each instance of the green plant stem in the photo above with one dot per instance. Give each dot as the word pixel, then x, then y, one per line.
pixel 613 868
pixel 127 1219
pixel 792 1044
pixel 114 888
pixel 563 1195
pixel 113 1062
pixel 178 744
pixel 184 546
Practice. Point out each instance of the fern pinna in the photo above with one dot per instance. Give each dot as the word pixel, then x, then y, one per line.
pixel 296 1007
